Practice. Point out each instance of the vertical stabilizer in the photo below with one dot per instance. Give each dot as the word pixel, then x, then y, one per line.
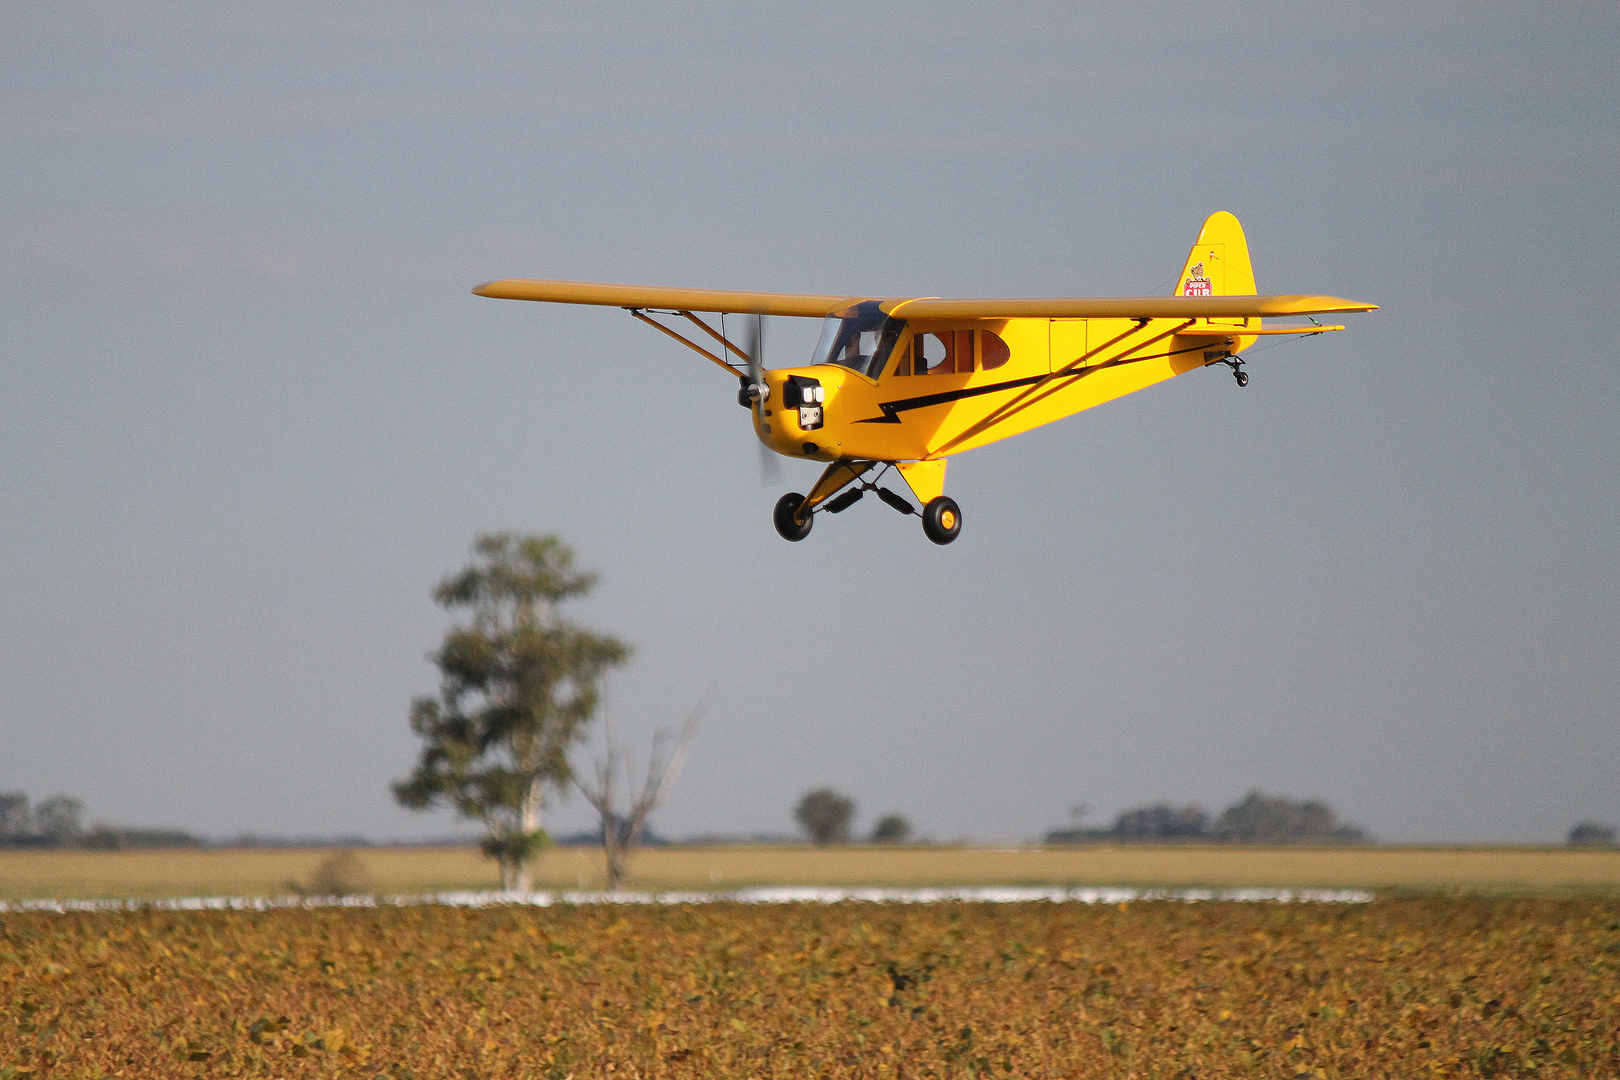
pixel 1218 264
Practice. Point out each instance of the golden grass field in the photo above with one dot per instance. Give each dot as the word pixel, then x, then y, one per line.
pixel 1407 987
pixel 269 872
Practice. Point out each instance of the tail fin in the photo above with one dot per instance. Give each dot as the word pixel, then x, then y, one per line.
pixel 1218 264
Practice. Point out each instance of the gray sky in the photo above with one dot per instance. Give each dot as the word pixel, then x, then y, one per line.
pixel 250 413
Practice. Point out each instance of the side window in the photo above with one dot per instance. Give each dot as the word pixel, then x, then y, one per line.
pixel 993 352
pixel 920 352
pixel 958 353
pixel 951 352
pixel 910 362
pixel 943 352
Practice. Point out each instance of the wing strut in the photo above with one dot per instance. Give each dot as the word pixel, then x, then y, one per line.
pixel 740 353
pixel 688 342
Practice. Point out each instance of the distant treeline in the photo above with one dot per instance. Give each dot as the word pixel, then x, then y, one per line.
pixel 58 822
pixel 1256 819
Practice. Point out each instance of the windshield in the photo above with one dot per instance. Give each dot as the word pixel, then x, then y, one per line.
pixel 860 337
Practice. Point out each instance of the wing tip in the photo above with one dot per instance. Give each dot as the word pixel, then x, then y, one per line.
pixel 1332 305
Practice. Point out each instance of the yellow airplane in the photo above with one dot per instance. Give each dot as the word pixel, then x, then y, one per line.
pixel 905 383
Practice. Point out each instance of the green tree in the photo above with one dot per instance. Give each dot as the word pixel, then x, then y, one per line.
pixel 825 815
pixel 1591 834
pixel 518 686
pixel 1162 822
pixel 1263 819
pixel 891 829
pixel 57 819
pixel 16 822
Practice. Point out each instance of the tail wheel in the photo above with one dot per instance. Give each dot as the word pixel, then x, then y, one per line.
pixel 942 519
pixel 786 517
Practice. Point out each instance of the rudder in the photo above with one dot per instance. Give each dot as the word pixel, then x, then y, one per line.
pixel 1218 264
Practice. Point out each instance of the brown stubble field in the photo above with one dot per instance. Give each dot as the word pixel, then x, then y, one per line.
pixel 1443 987
pixel 268 872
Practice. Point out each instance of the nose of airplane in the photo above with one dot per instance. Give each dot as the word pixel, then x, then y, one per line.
pixel 791 412
pixel 803 405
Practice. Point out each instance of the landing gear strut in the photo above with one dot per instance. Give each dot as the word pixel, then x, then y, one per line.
pixel 795 513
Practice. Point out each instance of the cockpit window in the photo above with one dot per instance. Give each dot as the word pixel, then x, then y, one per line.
pixel 859 337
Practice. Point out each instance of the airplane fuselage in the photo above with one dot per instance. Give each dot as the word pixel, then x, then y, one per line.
pixel 1016 373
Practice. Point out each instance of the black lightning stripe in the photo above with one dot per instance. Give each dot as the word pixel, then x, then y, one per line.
pixel 891 409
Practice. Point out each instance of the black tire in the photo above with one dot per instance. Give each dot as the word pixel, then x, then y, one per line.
pixel 1242 378
pixel 785 515
pixel 942 519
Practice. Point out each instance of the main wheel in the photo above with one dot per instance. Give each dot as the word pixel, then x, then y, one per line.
pixel 1242 378
pixel 786 517
pixel 942 519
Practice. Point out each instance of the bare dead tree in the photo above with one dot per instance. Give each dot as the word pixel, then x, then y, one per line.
pixel 622 830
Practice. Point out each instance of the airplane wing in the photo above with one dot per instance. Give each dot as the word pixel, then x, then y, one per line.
pixel 1125 307
pixel 645 296
pixel 817 306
